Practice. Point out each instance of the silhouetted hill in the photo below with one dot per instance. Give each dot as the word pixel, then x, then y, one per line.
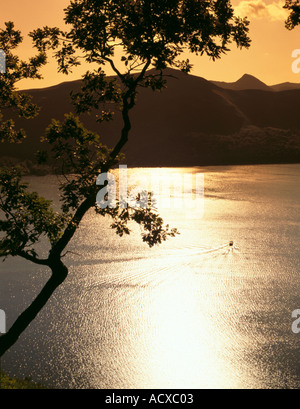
pixel 245 82
pixel 250 82
pixel 285 86
pixel 192 122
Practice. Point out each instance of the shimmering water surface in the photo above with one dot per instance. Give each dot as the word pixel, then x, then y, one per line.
pixel 192 313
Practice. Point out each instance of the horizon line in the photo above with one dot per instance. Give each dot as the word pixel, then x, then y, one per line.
pixel 168 68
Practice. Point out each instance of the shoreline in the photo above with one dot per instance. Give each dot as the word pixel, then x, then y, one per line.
pixel 40 171
pixel 9 382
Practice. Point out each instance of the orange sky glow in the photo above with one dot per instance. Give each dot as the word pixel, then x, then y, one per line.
pixel 269 57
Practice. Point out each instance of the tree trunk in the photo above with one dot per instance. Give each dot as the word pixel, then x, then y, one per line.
pixel 58 276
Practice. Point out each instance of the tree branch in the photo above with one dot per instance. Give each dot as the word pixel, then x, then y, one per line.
pixel 115 69
pixel 59 274
pixel 128 104
pixel 58 248
pixel 35 260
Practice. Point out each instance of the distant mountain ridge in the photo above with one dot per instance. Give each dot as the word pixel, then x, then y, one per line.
pixel 285 86
pixel 245 82
pixel 248 81
pixel 193 122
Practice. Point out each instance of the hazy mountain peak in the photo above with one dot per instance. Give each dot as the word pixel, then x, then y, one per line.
pixel 248 81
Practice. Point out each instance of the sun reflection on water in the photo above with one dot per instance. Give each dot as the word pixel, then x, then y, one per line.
pixel 180 354
pixel 179 334
pixel 196 312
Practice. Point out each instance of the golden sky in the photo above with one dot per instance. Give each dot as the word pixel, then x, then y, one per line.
pixel 269 57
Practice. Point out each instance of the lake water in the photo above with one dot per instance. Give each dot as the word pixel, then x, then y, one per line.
pixel 192 313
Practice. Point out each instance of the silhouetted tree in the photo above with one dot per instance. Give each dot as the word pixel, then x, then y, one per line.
pixel 149 34
pixel 16 70
pixel 293 6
